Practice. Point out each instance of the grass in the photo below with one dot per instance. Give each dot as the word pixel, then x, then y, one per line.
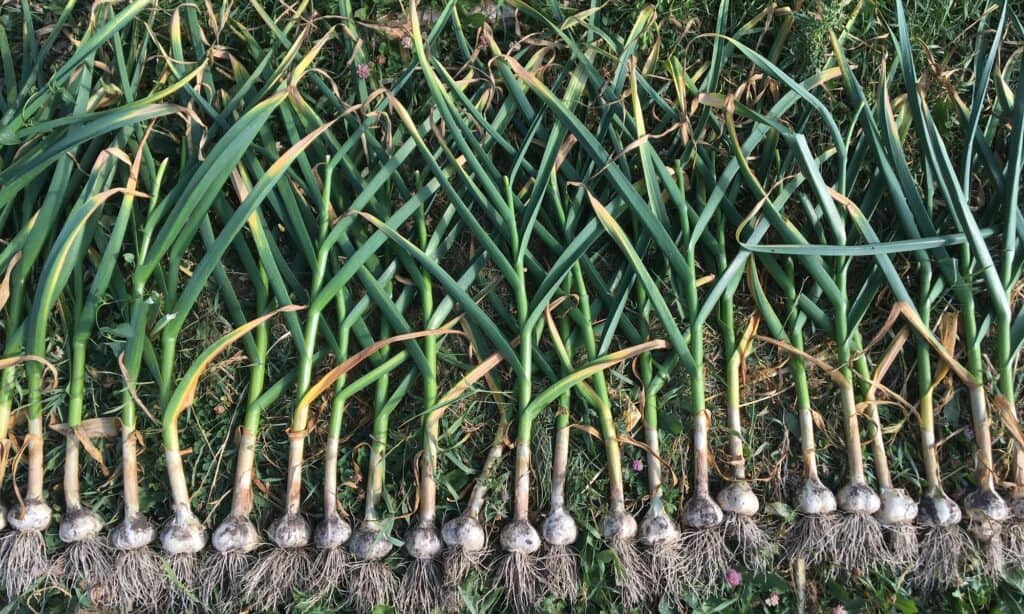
pixel 482 122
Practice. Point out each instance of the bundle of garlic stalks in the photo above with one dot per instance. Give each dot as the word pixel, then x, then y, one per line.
pixel 542 318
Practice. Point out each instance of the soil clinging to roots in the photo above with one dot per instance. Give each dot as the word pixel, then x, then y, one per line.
pixel 942 554
pixel 23 561
pixel 373 584
pixel 561 572
pixel 520 576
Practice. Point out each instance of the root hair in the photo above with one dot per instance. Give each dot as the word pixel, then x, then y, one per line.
pixel 85 563
pixel 705 560
pixel 274 575
pixel 23 561
pixel 183 581
pixel 664 565
pixel 330 572
pixel 813 538
pixel 561 571
pixel 139 581
pixel 752 544
pixel 862 545
pixel 942 555
pixel 222 574
pixel 460 563
pixel 1013 542
pixel 991 557
pixel 902 546
pixel 519 575
pixel 373 584
pixel 632 576
pixel 420 589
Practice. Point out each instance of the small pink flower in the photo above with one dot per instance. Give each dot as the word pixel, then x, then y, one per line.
pixel 637 465
pixel 772 600
pixel 838 610
pixel 733 577
pixel 363 71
